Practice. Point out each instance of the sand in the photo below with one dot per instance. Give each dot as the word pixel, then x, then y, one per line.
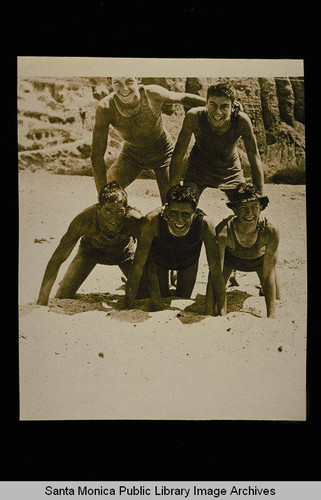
pixel 90 359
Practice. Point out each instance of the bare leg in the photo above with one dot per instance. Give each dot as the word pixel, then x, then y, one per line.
pixel 76 274
pixel 162 178
pixel 186 280
pixel 122 172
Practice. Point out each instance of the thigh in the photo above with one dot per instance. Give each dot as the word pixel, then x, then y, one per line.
pixel 162 178
pixel 186 280
pixel 75 275
pixel 123 172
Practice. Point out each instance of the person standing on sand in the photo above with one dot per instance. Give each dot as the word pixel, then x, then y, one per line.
pixel 108 231
pixel 214 160
pixel 171 237
pixel 134 110
pixel 247 242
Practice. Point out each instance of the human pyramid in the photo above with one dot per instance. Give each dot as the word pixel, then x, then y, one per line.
pixel 169 239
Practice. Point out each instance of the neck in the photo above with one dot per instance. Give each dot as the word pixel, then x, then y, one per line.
pixel 130 104
pixel 219 130
pixel 245 228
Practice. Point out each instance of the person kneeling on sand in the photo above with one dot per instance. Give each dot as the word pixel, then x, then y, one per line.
pixel 170 238
pixel 248 242
pixel 108 231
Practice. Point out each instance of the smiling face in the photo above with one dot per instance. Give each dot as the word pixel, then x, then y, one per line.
pixel 219 110
pixel 111 216
pixel 248 213
pixel 126 89
pixel 180 218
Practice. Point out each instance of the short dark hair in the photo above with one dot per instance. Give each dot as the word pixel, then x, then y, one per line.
pixel 221 89
pixel 112 193
pixel 182 194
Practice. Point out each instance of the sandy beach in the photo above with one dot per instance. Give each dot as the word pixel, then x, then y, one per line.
pixel 89 358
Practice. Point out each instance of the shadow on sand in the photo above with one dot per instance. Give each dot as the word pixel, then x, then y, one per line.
pixel 188 310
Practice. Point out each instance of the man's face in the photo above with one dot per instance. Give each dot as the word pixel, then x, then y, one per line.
pixel 179 218
pixel 248 213
pixel 126 88
pixel 112 215
pixel 219 109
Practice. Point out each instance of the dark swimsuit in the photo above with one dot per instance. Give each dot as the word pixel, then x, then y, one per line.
pixel 177 253
pixel 240 258
pixel 214 160
pixel 147 145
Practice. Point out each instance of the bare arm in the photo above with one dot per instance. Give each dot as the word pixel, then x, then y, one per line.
pixel 252 151
pixel 183 140
pixel 214 264
pixel 62 252
pixel 99 145
pixel 147 232
pixel 160 95
pixel 268 275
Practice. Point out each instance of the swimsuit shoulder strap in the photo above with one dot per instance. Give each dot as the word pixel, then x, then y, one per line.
pixel 223 223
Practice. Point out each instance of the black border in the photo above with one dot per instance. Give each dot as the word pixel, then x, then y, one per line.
pixel 153 450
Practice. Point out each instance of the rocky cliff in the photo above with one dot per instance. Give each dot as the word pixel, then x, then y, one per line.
pixel 56 118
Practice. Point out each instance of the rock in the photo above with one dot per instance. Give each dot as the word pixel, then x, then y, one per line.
pixel 286 100
pixel 49 117
pixel 270 109
pixel 298 90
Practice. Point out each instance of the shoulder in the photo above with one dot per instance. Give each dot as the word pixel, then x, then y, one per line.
pixel 207 223
pixel 244 120
pixel 197 111
pixel 104 107
pixel 193 115
pixel 271 232
pixel 87 213
pixel 84 220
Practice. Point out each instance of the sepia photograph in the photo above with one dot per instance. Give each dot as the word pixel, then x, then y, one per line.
pixel 162 239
